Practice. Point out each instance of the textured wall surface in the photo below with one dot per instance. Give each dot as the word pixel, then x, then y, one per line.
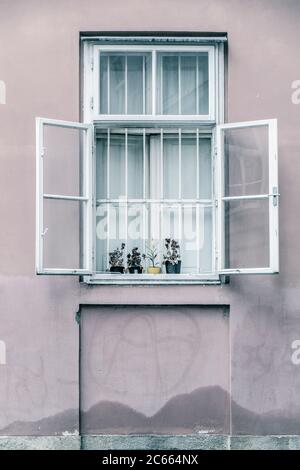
pixel 39 66
pixel 155 370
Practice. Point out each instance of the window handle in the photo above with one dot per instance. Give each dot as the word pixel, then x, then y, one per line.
pixel 275 195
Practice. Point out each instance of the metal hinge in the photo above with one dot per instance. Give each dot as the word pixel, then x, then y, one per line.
pixel 216 203
pixel 92 64
pixel 92 102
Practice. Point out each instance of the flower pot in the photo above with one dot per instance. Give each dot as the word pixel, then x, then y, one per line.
pixel 135 270
pixel 117 269
pixel 173 268
pixel 153 270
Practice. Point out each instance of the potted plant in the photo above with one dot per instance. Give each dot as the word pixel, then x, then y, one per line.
pixel 134 261
pixel 151 255
pixel 172 259
pixel 116 260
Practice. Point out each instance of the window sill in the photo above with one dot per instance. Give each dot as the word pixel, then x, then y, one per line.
pixel 152 279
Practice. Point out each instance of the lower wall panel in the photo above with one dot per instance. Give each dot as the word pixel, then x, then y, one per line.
pixel 154 369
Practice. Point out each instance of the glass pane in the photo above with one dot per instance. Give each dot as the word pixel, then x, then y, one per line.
pixel 188 242
pixel 188 80
pixel 203 84
pixel 205 168
pixel 117 84
pixel 135 166
pixel 117 225
pixel 170 221
pixel 189 166
pixel 247 233
pixel 62 227
pixel 136 226
pixel 101 167
pixel 169 85
pixel 170 167
pixel 183 83
pixel 117 166
pixel 135 85
pixel 205 239
pixel 101 237
pixel 62 160
pixel 104 90
pixel 125 83
pixel 246 161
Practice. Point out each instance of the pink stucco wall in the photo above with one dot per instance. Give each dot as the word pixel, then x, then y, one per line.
pixel 39 63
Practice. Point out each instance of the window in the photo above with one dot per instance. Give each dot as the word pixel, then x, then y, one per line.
pixel 154 160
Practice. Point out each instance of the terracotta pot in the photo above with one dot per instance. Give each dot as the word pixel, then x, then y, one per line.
pixel 153 270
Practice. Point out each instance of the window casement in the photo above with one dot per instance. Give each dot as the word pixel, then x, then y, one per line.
pixel 153 159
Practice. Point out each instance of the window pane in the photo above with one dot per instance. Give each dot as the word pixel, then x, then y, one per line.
pixel 169 85
pixel 104 90
pixel 183 83
pixel 117 226
pixel 125 83
pixel 189 166
pixel 247 233
pixel 246 155
pixel 188 241
pixel 205 168
pixel 170 167
pixel 188 87
pixel 135 166
pixel 203 84
pixel 101 237
pixel 63 151
pixel 117 84
pixel 101 168
pixel 62 226
pixel 136 226
pixel 117 166
pixel 205 238
pixel 136 223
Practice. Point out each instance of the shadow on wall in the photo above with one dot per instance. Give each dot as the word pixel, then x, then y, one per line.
pixel 202 411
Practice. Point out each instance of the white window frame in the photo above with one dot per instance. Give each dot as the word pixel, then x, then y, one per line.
pixel 91 57
pixel 86 198
pixel 272 197
pixel 154 116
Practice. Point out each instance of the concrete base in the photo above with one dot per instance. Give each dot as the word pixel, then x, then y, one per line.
pixel 150 442
pixel 155 442
pixel 40 443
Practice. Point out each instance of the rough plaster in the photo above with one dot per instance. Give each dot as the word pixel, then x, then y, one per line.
pixel 39 57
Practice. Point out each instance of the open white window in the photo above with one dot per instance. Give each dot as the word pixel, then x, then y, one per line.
pixel 247 187
pixel 64 197
pixel 154 161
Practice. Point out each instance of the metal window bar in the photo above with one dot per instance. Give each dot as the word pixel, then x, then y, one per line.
pixel 179 85
pixel 197 85
pixel 126 85
pixel 179 210
pixel 144 84
pixel 197 195
pixel 154 65
pixel 126 187
pixel 108 196
pixel 108 84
